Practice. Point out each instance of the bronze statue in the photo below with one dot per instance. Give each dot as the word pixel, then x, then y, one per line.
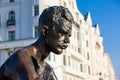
pixel 55 26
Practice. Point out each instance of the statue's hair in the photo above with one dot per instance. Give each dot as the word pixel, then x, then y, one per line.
pixel 50 16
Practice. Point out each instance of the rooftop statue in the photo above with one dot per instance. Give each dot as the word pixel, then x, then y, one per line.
pixel 28 63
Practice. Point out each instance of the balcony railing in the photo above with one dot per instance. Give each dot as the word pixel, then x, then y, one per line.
pixel 10 22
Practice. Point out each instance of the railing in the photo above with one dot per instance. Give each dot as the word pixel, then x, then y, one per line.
pixel 10 22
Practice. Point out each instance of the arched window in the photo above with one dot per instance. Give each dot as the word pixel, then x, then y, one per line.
pixel 11 16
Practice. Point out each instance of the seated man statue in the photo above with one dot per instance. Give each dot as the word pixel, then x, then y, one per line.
pixel 28 63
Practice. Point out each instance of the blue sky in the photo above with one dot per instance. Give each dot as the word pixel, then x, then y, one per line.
pixel 107 14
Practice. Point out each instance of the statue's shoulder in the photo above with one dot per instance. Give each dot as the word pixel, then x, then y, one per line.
pixel 24 57
pixel 10 66
pixel 16 59
pixel 18 63
pixel 25 53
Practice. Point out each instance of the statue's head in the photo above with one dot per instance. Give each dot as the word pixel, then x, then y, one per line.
pixel 55 26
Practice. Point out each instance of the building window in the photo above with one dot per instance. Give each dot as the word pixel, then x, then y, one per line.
pixel 89 69
pixel 64 60
pixel 80 22
pixel 36 33
pixel 86 43
pixel 11 1
pixel 11 35
pixel 36 10
pixel 97 45
pixel 88 56
pixel 81 67
pixel 79 50
pixel 11 15
pixel 11 18
pixel 77 35
pixel 69 63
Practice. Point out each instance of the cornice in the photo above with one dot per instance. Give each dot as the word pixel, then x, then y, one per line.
pixel 2 5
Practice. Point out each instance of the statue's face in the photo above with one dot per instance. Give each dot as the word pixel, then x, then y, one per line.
pixel 58 38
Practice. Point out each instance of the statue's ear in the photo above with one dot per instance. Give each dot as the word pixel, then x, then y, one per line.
pixel 44 30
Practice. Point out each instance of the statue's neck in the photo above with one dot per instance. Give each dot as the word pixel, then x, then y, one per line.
pixel 41 48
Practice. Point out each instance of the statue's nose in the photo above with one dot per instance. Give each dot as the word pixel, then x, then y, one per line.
pixel 67 39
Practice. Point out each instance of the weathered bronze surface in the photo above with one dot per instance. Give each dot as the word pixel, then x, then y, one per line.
pixel 55 27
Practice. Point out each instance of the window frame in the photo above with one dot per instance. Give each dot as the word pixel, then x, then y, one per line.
pixel 11 36
pixel 11 16
pixel 36 33
pixel 36 10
